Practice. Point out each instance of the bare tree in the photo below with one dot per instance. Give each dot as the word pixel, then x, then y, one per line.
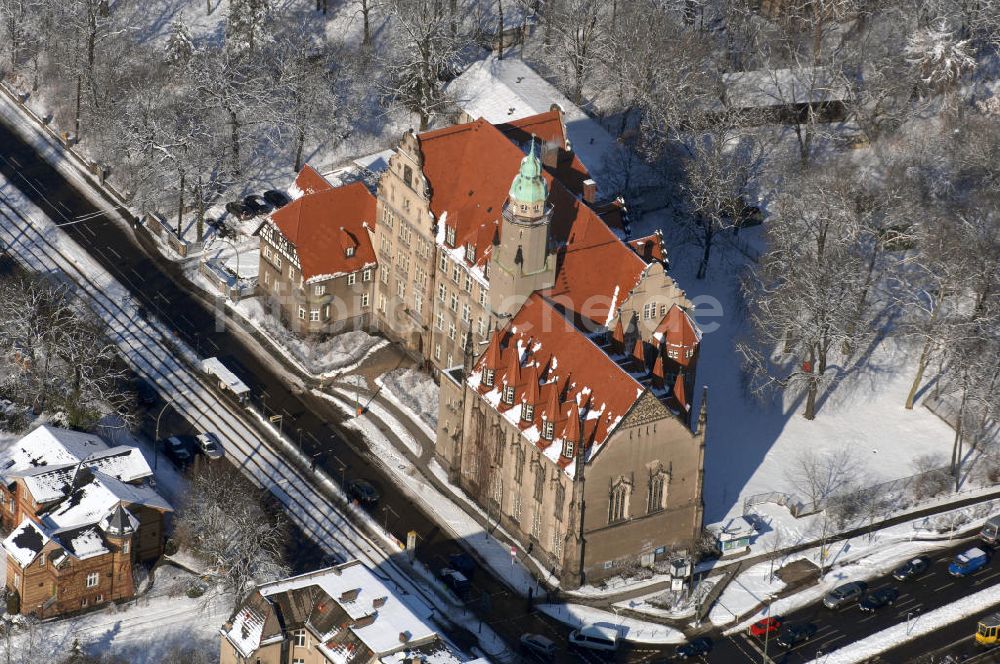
pixel 575 30
pixel 803 298
pixel 822 476
pixel 225 520
pixel 428 41
pixel 722 162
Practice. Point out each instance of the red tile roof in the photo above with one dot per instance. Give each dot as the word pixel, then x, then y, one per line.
pixel 649 248
pixel 324 224
pixel 548 128
pixel 541 346
pixel 309 181
pixel 470 167
pixel 677 330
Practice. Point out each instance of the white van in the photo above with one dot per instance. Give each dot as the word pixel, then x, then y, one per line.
pixel 595 637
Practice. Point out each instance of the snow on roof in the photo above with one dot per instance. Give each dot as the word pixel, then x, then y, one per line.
pixel 25 543
pixel 734 529
pixel 212 365
pixel 247 630
pixel 552 365
pixel 47 457
pixel 83 543
pixel 503 90
pixel 49 446
pixel 357 591
pixel 762 88
pixel 95 497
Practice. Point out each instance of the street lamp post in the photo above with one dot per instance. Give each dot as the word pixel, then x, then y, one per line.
pixel 767 630
pixel 156 439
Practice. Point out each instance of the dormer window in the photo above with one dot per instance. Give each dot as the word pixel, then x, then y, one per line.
pixel 527 412
pixel 349 251
pixel 508 395
pixel 488 375
pixel 569 447
pixel 449 235
pixel 470 253
pixel 548 429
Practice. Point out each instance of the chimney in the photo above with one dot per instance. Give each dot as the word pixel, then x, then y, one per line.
pixel 350 595
pixel 590 191
pixel 364 621
pixel 404 637
pixel 550 154
pixel 378 602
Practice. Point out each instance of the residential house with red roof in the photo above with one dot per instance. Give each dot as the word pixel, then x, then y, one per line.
pixel 317 262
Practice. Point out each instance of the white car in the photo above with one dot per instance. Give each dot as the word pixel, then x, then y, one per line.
pixel 209 445
pixel 594 637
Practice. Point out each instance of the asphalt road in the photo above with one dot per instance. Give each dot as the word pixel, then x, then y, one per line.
pixel 162 291
pixel 837 628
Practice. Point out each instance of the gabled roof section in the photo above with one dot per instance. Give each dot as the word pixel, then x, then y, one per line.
pixel 569 371
pixel 595 271
pixel 677 330
pixel 50 446
pixel 308 181
pixel 321 225
pixel 93 497
pixel 649 248
pixel 374 615
pixel 26 542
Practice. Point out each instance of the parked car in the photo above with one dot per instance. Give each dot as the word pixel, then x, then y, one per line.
pixel 845 594
pixel 238 210
pixel 178 450
pixel 464 563
pixel 456 581
pixel 276 198
pixel 594 637
pixel 539 647
pixel 792 635
pixel 145 392
pixel 911 568
pixel 362 491
pixel 874 601
pixel 256 205
pixel 969 562
pixel 694 648
pixel 765 626
pixel 209 445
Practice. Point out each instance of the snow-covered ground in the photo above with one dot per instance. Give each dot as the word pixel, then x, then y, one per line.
pixel 416 394
pixel 864 413
pixel 321 359
pixel 146 630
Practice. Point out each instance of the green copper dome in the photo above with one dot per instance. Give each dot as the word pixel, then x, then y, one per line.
pixel 529 185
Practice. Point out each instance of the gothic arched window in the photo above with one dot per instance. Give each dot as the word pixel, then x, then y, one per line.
pixel 618 501
pixel 658 491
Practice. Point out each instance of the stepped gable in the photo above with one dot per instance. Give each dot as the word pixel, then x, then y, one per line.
pixel 323 225
pixel 569 372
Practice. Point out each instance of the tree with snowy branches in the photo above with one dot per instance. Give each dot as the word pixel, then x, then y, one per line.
pixel 939 59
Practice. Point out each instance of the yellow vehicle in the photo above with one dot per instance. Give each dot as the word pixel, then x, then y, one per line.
pixel 988 633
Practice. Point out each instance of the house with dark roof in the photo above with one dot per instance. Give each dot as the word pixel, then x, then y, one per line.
pixel 343 614
pixel 82 515
pixel 317 262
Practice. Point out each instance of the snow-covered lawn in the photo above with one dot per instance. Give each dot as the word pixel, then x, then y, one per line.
pixel 322 359
pixel 864 413
pixel 142 631
pixel 629 629
pixel 415 393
